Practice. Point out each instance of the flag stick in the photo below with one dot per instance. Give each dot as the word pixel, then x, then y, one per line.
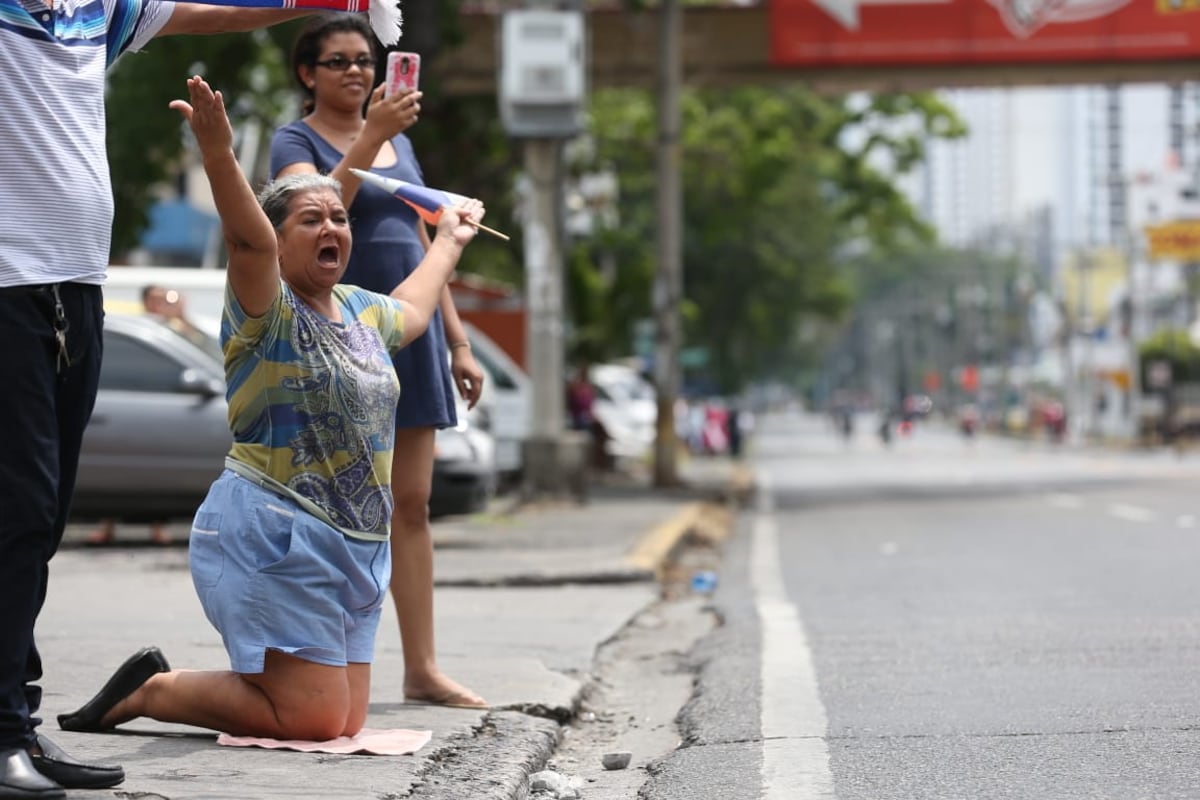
pixel 479 226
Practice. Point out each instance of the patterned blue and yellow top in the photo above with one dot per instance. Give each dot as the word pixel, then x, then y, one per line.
pixel 312 404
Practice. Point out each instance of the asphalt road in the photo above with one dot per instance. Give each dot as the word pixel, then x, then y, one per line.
pixel 950 619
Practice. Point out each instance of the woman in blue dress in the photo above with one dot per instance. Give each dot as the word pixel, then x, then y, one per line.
pixel 334 60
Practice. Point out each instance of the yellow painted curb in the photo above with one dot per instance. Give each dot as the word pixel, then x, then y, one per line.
pixel 654 547
pixel 711 521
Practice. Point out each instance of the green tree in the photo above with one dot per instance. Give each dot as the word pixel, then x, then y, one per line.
pixel 147 140
pixel 1175 347
pixel 943 307
pixel 779 186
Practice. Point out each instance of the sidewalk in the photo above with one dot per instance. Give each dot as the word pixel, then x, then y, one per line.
pixel 523 600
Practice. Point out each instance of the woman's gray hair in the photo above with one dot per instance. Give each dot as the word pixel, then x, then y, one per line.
pixel 276 196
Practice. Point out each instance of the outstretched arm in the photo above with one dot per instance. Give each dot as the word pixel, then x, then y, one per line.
pixel 196 18
pixel 251 241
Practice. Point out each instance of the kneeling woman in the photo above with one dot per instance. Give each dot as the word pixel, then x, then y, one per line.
pixel 289 552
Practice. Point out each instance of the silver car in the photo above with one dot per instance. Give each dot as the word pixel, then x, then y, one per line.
pixel 159 432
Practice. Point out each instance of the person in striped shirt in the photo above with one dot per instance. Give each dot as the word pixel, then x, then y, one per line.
pixel 57 203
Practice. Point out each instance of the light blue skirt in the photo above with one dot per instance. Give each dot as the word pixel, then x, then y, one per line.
pixel 270 576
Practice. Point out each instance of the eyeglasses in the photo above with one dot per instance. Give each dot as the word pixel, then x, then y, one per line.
pixel 341 63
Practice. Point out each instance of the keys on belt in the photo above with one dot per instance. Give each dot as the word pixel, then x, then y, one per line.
pixel 61 326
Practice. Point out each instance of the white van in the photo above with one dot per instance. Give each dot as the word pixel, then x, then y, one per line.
pixel 507 395
pixel 510 401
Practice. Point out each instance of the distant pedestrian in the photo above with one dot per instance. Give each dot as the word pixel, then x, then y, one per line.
pixel 171 306
pixel 581 396
pixel 106 532
pixel 734 422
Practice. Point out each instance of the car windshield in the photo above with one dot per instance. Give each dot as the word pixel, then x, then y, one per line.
pixel 208 344
pixel 196 335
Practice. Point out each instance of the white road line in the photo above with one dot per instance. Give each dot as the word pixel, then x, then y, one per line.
pixel 795 763
pixel 1065 500
pixel 1131 513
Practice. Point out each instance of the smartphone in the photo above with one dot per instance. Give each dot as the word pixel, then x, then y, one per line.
pixel 403 72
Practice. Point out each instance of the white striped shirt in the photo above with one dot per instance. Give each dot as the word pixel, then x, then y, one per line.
pixel 56 202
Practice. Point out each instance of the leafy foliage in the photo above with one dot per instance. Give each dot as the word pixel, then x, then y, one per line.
pixel 1174 346
pixel 774 196
pixel 463 148
pixel 146 140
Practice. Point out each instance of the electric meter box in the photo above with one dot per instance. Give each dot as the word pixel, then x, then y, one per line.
pixel 542 86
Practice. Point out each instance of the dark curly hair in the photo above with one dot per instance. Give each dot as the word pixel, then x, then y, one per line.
pixel 307 47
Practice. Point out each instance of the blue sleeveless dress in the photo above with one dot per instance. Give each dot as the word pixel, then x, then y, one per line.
pixel 386 249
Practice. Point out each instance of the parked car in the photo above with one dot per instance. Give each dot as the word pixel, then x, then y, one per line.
pixel 464 468
pixel 626 407
pixel 507 401
pixel 159 432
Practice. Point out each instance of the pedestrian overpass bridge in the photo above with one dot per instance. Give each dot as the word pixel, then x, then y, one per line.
pixel 839 45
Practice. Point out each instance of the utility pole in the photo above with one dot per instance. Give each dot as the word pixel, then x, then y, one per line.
pixel 544 310
pixel 542 96
pixel 668 280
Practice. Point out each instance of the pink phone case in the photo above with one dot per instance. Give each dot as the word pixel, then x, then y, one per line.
pixel 403 72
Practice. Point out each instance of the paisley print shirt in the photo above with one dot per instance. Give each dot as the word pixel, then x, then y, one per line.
pixel 312 403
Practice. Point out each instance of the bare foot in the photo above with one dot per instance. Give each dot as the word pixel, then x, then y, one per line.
pixel 439 690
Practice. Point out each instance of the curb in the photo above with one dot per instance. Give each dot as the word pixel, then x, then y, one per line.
pixel 710 521
pixel 655 548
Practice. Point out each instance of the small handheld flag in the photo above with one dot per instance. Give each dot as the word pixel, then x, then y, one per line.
pixel 427 202
pixel 384 15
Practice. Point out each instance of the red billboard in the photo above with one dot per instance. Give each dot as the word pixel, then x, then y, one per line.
pixel 834 33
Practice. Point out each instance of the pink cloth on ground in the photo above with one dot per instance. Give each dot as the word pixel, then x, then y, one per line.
pixel 390 742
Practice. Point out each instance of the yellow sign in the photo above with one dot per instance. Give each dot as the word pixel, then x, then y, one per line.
pixel 1179 241
pixel 1169 6
pixel 1090 280
pixel 1118 377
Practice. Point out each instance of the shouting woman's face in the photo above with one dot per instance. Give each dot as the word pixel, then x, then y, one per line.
pixel 314 242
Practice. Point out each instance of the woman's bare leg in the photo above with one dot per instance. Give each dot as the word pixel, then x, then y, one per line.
pixel 412 571
pixel 291 699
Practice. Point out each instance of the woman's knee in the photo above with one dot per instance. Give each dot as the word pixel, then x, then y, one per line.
pixel 412 476
pixel 309 701
pixel 355 721
pixel 319 719
pixel 412 515
pixel 315 720
pixel 411 498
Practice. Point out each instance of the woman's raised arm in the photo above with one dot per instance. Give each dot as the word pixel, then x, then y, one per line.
pixel 251 241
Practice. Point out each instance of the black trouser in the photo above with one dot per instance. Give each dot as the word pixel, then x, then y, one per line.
pixel 45 403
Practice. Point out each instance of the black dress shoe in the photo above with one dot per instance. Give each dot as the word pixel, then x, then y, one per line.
pixel 69 773
pixel 18 778
pixel 136 670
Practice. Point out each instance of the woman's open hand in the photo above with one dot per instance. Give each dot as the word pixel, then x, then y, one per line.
pixel 206 114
